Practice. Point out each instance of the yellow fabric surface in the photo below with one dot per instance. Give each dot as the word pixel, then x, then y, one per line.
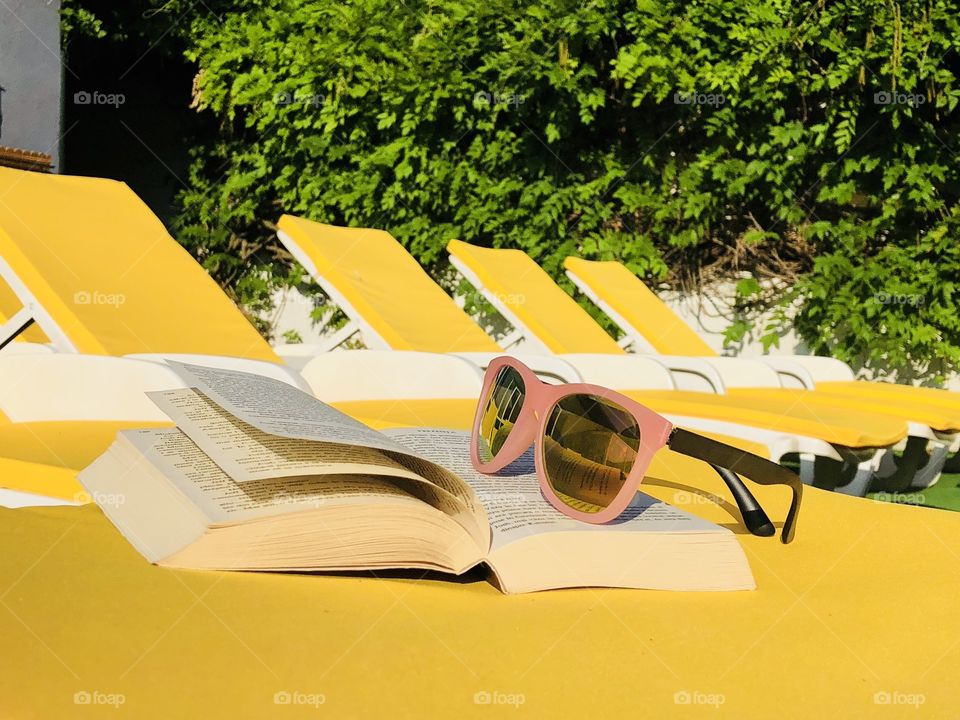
pixel 528 291
pixel 102 264
pixel 780 410
pixel 388 288
pixel 941 418
pixel 457 414
pixel 859 610
pixel 884 391
pixel 627 295
pixel 893 395
pixel 45 457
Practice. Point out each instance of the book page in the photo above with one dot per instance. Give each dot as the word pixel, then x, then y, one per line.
pixel 224 501
pixel 246 453
pixel 279 409
pixel 516 508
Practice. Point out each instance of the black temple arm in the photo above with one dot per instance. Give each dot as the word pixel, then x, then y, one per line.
pixel 730 462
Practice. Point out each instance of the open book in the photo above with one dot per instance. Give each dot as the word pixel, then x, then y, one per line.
pixel 259 475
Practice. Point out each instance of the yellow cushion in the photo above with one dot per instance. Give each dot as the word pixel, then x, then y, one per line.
pixel 527 290
pixel 885 392
pixel 456 414
pixel 630 298
pixel 787 411
pixel 387 287
pixel 104 267
pixel 866 405
pixel 84 613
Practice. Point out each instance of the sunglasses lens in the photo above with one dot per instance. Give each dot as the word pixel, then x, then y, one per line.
pixel 589 447
pixel 502 407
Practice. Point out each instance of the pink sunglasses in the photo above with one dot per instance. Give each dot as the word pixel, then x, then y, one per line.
pixel 593 446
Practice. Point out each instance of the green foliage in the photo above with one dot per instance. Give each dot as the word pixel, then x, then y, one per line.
pixel 812 143
pixel 78 21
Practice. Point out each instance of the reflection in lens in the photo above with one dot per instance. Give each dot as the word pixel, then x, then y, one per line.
pixel 503 404
pixel 589 447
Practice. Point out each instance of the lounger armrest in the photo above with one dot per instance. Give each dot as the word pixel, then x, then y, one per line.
pixel 547 367
pixel 68 386
pixel 716 374
pixel 809 369
pixel 296 356
pixel 623 372
pixel 354 375
pixel 257 367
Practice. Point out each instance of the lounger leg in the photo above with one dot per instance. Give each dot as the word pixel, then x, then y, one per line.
pixel 862 478
pixel 929 474
pixel 808 463
pixel 918 466
pixel 851 476
pixel 863 472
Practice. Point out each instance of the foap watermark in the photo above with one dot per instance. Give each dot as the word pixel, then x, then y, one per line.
pixel 902 498
pixel 95 97
pixel 885 97
pixel 298 697
pixel 505 99
pixel 896 697
pixel 300 98
pixel 101 499
pixel 697 697
pixel 887 298
pixel 509 298
pixel 698 98
pixel 507 498
pixel 99 697
pixel 95 297
pixel 498 697
pixel 687 497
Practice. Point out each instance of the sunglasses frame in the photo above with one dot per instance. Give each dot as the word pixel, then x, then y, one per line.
pixel 531 425
pixel 656 433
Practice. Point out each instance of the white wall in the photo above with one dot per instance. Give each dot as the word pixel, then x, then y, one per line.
pixel 31 73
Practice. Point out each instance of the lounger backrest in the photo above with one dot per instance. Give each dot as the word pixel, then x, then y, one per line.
pixel 380 285
pixel 524 289
pixel 635 307
pixel 105 276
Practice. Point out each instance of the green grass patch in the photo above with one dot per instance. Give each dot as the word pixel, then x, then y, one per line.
pixel 944 495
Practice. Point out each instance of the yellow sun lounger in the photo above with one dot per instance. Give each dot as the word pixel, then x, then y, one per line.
pixel 647 320
pixel 114 283
pixel 396 305
pixel 530 300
